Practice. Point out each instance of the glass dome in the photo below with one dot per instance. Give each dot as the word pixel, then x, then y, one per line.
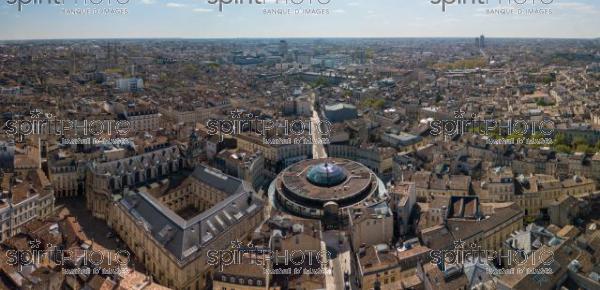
pixel 326 174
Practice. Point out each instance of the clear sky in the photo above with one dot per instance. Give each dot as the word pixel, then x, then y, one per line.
pixel 346 18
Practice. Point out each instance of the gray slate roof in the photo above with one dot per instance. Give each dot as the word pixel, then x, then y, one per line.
pixel 184 238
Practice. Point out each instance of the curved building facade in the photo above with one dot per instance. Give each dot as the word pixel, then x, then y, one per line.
pixel 318 187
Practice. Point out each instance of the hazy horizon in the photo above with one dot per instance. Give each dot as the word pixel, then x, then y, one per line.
pixel 300 38
pixel 197 19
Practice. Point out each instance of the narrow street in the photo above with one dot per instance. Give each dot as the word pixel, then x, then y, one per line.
pixel 318 148
pixel 341 262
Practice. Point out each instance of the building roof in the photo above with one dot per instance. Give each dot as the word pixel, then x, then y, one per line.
pixel 326 174
pixel 377 258
pixel 461 229
pixel 313 184
pixel 340 106
pixel 184 238
pixel 463 207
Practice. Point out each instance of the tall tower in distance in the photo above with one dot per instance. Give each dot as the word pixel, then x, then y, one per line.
pixel 482 41
pixel 283 48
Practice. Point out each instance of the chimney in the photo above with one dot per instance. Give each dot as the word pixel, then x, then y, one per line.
pixel 362 249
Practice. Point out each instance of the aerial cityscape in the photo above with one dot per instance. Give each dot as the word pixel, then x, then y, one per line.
pixel 305 161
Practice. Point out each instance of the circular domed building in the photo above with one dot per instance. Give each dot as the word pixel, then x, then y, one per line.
pixel 320 187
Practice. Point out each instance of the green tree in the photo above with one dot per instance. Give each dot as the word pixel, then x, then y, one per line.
pixel 373 103
pixel 560 139
pixel 563 148
pixel 320 82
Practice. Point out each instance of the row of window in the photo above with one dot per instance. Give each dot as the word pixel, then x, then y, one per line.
pixel 241 281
